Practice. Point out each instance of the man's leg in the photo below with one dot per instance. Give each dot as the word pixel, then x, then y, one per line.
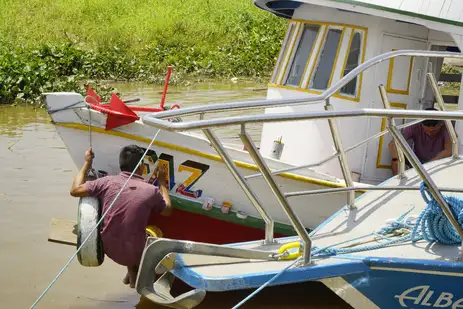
pixel 126 279
pixel 132 272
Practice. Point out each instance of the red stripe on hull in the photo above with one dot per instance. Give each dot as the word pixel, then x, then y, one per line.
pixel 185 225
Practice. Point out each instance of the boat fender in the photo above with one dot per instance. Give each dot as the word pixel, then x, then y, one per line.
pixel 88 214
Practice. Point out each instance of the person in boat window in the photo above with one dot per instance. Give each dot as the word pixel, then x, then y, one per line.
pixel 123 232
pixel 430 139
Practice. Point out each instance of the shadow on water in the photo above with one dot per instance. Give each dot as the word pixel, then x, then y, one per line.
pixel 309 295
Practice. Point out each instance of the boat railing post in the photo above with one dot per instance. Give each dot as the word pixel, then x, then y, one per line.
pixel 342 156
pixel 391 122
pixel 296 222
pixel 269 223
pixel 448 123
pixel 415 162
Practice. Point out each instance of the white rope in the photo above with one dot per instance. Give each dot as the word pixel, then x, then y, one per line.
pixel 94 229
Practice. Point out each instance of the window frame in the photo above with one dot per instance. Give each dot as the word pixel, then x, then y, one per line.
pixel 363 34
pixel 321 47
pixel 294 51
pixel 281 57
pixel 293 41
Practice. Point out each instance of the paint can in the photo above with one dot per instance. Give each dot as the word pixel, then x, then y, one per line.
pixel 277 149
pixel 208 202
pixel 225 209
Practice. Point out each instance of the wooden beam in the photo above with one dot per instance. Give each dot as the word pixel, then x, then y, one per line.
pixel 450 99
pixel 63 231
pixel 455 78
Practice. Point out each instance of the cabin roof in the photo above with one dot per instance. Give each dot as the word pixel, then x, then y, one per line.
pixel 443 12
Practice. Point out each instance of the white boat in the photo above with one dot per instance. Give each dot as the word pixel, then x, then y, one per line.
pixel 323 95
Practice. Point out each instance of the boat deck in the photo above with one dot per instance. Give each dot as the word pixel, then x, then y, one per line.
pixel 373 209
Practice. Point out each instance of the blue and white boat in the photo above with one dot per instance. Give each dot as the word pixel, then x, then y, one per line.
pixel 396 246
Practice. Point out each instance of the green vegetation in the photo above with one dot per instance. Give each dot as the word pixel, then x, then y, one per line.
pixel 60 45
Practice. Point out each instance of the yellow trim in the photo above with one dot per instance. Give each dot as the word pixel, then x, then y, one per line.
pixel 333 69
pixel 296 40
pixel 310 54
pixel 390 75
pixel 327 23
pixel 283 52
pixel 359 86
pixel 364 51
pixel 79 126
pixel 381 139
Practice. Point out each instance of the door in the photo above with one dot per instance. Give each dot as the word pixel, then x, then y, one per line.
pixel 403 78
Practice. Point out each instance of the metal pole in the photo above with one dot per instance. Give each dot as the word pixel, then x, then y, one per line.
pixel 448 123
pixel 342 156
pixel 426 178
pixel 296 222
pixel 391 122
pixel 269 223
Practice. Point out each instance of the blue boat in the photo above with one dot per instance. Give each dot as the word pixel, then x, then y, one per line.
pixel 396 246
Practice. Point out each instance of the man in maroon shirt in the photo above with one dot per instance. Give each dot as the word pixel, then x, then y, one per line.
pixel 431 141
pixel 123 230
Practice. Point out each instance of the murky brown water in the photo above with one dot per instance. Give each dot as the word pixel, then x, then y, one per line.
pixel 35 176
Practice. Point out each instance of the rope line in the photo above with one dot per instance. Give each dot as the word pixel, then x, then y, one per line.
pixel 94 229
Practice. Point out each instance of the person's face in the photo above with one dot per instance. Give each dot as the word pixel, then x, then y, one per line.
pixel 432 131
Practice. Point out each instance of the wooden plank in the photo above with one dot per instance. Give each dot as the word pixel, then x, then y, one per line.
pixel 456 78
pixel 450 99
pixel 63 231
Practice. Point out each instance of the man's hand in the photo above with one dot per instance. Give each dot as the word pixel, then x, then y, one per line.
pixel 89 155
pixel 161 173
pixel 78 188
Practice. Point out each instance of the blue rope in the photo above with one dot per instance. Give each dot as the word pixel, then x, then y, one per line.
pixel 433 225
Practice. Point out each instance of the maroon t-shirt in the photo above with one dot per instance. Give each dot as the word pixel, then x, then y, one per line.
pixel 123 232
pixel 426 147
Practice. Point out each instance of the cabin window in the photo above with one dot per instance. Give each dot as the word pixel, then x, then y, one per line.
pixel 306 43
pixel 353 59
pixel 289 35
pixel 323 71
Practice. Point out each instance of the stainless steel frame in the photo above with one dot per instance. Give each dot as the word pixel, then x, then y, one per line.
pixel 269 223
pixel 296 222
pixel 346 173
pixel 448 123
pixel 155 251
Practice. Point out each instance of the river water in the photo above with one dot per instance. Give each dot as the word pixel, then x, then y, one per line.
pixel 36 175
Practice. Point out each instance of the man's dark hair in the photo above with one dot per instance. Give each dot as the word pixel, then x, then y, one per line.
pixel 430 122
pixel 129 157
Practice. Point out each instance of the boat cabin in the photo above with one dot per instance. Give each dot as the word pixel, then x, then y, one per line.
pixel 325 40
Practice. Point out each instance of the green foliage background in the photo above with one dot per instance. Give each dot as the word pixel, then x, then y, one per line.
pixel 63 44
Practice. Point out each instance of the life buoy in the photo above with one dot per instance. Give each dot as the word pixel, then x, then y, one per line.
pixel 89 213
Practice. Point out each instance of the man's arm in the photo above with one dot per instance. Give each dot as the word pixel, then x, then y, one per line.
pixel 447 152
pixel 78 188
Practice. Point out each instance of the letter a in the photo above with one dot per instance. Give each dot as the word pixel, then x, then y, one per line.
pixel 417 299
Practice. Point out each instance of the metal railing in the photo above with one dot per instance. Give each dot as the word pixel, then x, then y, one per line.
pixel 329 114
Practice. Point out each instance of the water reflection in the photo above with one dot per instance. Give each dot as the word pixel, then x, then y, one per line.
pixel 14 120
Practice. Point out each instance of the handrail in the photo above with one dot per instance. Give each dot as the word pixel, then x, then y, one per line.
pixel 220 107
pixel 311 115
pixel 334 155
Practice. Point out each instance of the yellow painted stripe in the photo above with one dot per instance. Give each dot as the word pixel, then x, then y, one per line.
pixel 82 127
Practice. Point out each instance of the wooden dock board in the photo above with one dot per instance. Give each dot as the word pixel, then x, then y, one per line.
pixel 63 231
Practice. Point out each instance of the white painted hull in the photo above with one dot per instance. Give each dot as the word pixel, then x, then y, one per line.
pixel 216 182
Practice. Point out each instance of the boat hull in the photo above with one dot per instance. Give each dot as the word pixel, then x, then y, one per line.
pixel 195 172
